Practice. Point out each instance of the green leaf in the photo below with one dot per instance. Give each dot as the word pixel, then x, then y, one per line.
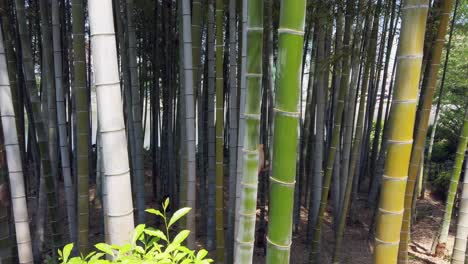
pixel 178 214
pixel 139 250
pixel 66 252
pixel 155 212
pixel 97 256
pixel 105 248
pixel 125 249
pixel 137 232
pixel 185 250
pixel 166 204
pixel 201 254
pixel 76 260
pixel 90 255
pixel 179 256
pixel 156 233
pixel 180 237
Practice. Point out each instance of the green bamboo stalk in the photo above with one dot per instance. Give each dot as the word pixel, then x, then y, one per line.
pixel 244 243
pixel 219 131
pixel 427 94
pixel 82 121
pixel 285 138
pixel 400 134
pixel 436 114
pixel 452 191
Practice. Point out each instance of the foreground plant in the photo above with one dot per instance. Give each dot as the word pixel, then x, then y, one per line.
pixel 148 245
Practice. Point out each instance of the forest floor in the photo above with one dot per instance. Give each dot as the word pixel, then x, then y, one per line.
pixel 357 247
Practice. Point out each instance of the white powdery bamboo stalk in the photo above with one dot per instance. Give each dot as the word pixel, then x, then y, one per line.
pixel 111 122
pixel 15 167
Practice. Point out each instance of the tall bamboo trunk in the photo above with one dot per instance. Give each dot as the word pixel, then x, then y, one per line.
pixel 452 191
pixel 189 120
pixel 7 237
pixel 427 164
pixel 62 123
pixel 136 114
pixel 82 121
pixel 459 249
pixel 111 122
pixel 15 168
pixel 219 131
pixel 41 131
pixel 210 233
pixel 242 95
pixel 376 150
pixel 233 120
pixel 428 88
pixel 244 244
pixel 321 86
pixel 351 99
pixel 390 214
pixel 48 88
pixel 285 138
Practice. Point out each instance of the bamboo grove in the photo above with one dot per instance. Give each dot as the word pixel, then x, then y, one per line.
pixel 281 123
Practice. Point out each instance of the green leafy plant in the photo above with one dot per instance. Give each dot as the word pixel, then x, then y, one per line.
pixel 147 245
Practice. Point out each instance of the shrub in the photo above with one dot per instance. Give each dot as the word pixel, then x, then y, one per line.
pixel 148 245
pixel 441 183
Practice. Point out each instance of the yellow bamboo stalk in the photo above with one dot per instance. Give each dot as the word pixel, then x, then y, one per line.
pixel 429 84
pixel 400 134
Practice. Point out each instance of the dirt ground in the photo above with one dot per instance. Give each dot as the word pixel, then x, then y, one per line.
pixel 357 247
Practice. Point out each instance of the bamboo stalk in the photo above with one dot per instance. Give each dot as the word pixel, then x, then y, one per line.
pixel 111 122
pixel 390 212
pixel 285 138
pixel 15 168
pixel 428 88
pixel 244 244
pixel 219 131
